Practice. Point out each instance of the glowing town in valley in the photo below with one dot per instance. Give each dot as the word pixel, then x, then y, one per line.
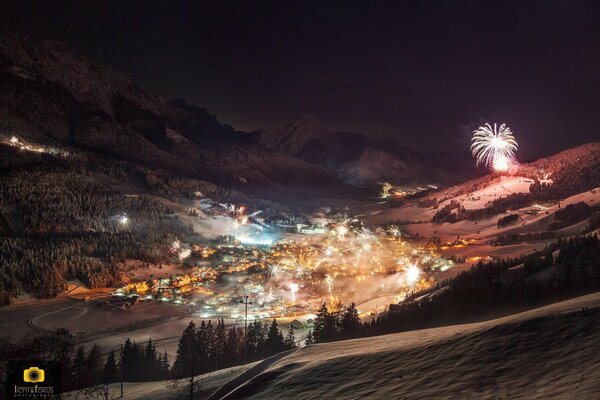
pixel 341 262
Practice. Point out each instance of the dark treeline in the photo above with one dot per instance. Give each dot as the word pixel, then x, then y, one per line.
pixel 572 171
pixel 507 220
pixel 571 214
pixel 336 324
pixel 163 183
pixel 565 217
pixel 511 238
pixel 201 349
pixel 143 362
pixel 210 347
pixel 81 367
pixel 42 263
pixel 446 214
pixel 62 201
pixel 488 289
pixel 513 201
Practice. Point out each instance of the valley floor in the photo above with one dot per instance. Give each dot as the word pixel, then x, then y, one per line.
pixel 547 353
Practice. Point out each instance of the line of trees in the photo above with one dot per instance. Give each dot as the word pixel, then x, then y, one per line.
pixel 507 220
pixel 511 238
pixel 571 214
pixel 339 323
pixel 201 349
pixel 208 347
pixel 81 368
pixel 42 264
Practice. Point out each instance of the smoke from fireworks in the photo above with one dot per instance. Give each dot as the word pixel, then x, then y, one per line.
pixel 494 147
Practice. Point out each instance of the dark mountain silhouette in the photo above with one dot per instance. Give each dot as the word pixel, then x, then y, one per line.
pixel 50 95
pixel 357 159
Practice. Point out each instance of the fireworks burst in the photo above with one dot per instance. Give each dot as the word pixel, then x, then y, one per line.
pixel 494 147
pixel 412 274
pixel 394 231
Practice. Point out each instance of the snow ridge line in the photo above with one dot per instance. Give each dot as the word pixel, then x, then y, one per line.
pixel 225 390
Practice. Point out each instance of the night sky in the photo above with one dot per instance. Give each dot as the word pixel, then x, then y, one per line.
pixel 425 73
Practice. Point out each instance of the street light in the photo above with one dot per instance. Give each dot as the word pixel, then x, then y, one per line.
pixel 245 302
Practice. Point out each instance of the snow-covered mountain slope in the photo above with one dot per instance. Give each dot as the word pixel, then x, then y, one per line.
pixel 549 198
pixel 546 353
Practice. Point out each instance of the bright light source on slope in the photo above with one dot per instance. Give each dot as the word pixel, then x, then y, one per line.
pixel 501 164
pixel 412 274
pixel 294 289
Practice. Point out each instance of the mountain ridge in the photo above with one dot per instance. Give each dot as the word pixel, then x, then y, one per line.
pixel 49 94
pixel 354 157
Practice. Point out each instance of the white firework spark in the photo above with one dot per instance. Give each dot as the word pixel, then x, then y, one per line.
pixel 412 274
pixel 494 147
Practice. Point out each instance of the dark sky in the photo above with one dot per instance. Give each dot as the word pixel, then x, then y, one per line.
pixel 426 73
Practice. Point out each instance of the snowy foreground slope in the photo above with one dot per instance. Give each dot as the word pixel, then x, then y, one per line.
pixel 547 353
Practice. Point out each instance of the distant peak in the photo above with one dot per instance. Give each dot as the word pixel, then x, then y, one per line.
pixel 306 123
pixel 307 119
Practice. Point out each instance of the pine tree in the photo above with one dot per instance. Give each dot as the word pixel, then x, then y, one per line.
pixel 202 353
pixel 110 371
pixel 290 340
pixel 151 369
pixel 79 367
pixel 233 349
pixel 319 331
pixel 350 323
pixel 274 343
pixel 165 366
pixel 327 325
pixel 186 351
pixel 132 361
pixel 310 338
pixel 66 366
pixel 256 339
pixel 93 366
pixel 220 344
pixel 211 352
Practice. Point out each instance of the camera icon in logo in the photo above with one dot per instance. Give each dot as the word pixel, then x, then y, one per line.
pixel 33 375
